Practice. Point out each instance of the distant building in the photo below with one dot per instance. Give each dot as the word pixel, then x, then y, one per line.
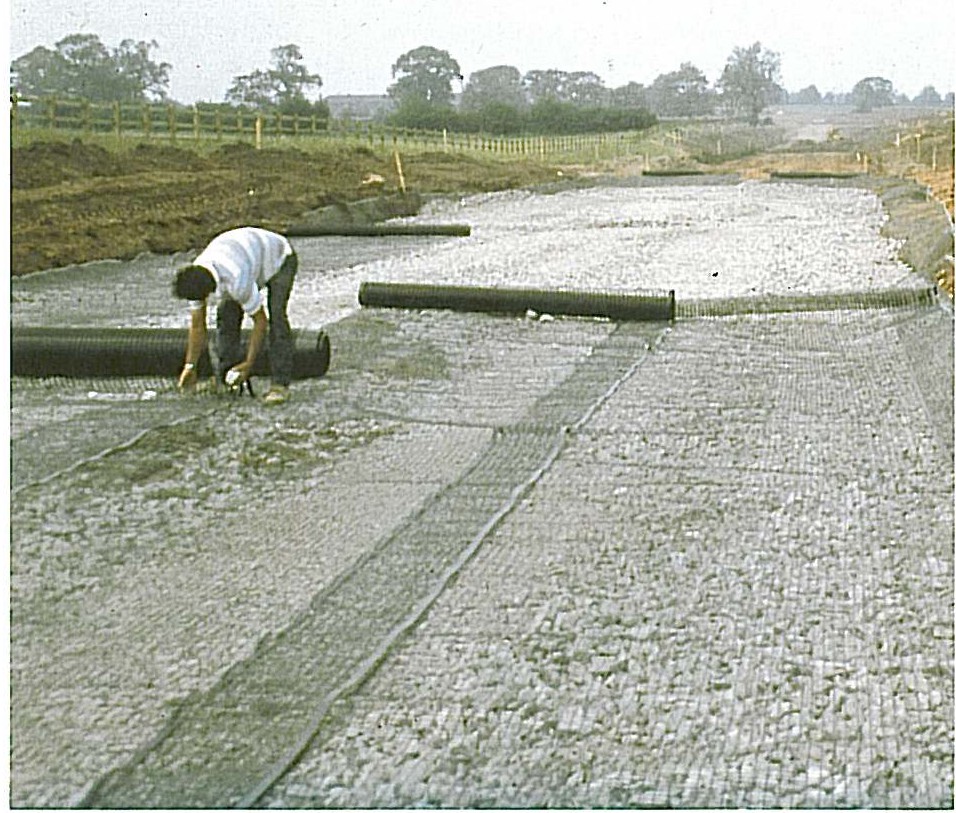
pixel 360 107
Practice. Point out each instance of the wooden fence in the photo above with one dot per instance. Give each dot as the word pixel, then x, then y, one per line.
pixel 177 123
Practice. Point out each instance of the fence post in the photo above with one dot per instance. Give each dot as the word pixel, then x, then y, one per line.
pixel 51 111
pixel 218 124
pixel 147 120
pixel 196 122
pixel 171 121
pixel 14 117
pixel 87 117
pixel 259 131
pixel 117 119
pixel 401 174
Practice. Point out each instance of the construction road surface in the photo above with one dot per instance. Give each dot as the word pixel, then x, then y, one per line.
pixel 494 561
pixel 506 561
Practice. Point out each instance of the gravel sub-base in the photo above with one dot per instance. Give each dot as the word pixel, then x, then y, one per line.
pixel 733 589
pixel 731 584
pixel 139 579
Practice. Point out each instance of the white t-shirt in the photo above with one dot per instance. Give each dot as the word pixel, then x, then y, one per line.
pixel 242 261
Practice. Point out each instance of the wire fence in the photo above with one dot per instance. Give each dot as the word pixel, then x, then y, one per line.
pixel 922 143
pixel 33 118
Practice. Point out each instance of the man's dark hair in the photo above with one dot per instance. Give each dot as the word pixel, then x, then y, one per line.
pixel 193 282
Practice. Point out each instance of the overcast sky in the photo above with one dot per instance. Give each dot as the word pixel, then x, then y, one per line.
pixel 352 44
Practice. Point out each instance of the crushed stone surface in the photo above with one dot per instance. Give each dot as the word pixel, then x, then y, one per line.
pixel 733 589
pixel 704 242
pixel 721 574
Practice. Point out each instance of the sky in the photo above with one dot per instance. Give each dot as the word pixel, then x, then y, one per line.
pixel 352 44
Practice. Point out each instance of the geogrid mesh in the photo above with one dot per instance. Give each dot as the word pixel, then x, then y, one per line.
pixel 327 645
pixel 555 646
pixel 802 303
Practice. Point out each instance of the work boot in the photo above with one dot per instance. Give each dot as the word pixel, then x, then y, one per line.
pixel 276 395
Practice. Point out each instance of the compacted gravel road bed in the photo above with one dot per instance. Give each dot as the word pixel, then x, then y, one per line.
pixel 732 588
pixel 495 561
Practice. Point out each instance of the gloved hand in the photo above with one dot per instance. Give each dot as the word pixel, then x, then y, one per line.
pixel 238 379
pixel 187 378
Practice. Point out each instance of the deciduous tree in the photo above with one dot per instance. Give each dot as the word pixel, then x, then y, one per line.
pixel 424 74
pixel 631 95
pixel 750 81
pixel 928 96
pixel 37 73
pixel 809 95
pixel 872 92
pixel 141 76
pixel 255 89
pixel 284 85
pixel 546 84
pixel 683 92
pixel 80 66
pixel 573 87
pixel 500 85
pixel 291 77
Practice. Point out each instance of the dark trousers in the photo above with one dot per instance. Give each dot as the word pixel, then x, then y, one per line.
pixel 280 345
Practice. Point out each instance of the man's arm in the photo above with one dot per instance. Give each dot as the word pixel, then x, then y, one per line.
pixel 195 345
pixel 260 325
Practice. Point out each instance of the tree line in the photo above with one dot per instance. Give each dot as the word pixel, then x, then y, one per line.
pixel 499 99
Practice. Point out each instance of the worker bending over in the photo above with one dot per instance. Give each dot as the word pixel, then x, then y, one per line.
pixel 230 274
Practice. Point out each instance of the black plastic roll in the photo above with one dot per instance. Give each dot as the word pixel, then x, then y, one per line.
pixel 80 352
pixel 381 230
pixel 622 307
pixel 813 175
pixel 672 173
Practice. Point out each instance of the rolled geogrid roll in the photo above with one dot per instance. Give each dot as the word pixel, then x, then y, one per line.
pixel 381 230
pixel 650 307
pixel 80 352
pixel 802 303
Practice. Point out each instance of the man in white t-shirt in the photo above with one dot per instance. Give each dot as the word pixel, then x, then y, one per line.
pixel 230 274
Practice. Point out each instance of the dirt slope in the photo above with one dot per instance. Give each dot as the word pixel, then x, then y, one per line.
pixel 75 202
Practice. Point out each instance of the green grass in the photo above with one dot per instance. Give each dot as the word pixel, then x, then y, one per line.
pixel 655 143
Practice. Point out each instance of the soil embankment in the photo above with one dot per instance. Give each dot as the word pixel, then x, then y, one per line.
pixel 76 202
